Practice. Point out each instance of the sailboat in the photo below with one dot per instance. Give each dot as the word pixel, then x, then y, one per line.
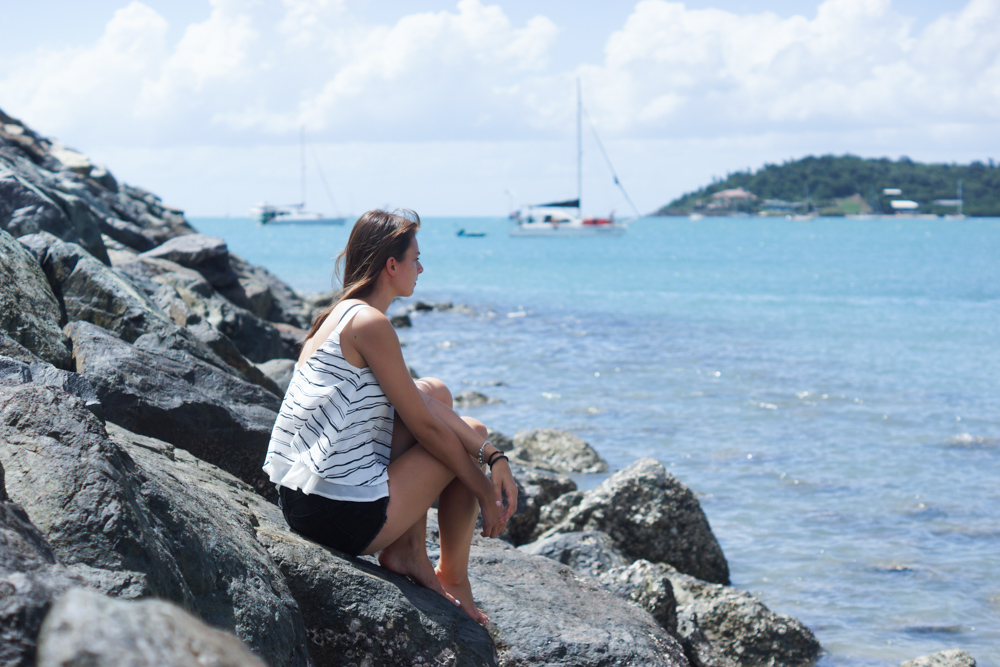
pixel 295 214
pixel 556 218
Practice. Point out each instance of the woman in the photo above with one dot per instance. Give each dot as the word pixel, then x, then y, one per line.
pixel 360 450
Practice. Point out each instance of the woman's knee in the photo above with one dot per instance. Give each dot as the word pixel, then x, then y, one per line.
pixel 436 389
pixel 476 425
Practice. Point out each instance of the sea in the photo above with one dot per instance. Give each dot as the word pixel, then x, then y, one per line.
pixel 829 388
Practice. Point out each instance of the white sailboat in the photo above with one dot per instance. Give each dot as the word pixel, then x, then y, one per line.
pixel 554 218
pixel 296 214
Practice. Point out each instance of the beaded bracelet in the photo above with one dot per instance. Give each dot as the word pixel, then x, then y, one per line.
pixel 481 450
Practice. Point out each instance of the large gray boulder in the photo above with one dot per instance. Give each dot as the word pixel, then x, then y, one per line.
pixel 189 299
pixel 15 372
pixel 120 513
pixel 31 579
pixel 91 292
pixel 266 295
pixel 536 489
pixel 741 627
pixel 650 514
pixel 646 585
pixel 14 350
pixel 351 608
pixel 358 613
pixel 29 310
pixel 588 552
pixel 208 255
pixel 951 658
pixel 546 615
pixel 26 209
pixel 556 450
pixel 173 396
pixel 87 628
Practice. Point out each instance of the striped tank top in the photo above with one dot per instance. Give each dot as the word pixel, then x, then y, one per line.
pixel 333 433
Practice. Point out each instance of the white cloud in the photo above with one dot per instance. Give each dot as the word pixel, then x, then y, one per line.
pixel 677 90
pixel 69 90
pixel 671 71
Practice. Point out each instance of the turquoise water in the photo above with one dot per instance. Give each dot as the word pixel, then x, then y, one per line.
pixel 830 388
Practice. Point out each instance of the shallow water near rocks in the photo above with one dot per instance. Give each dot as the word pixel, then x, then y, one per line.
pixel 830 389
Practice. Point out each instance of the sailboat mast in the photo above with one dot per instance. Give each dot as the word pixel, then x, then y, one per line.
pixel 579 150
pixel 302 155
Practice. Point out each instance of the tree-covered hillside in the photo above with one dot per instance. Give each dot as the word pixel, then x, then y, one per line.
pixel 832 185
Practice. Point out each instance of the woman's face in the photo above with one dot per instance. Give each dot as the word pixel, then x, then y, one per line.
pixel 408 268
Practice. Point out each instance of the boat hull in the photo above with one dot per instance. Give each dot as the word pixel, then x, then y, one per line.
pixel 288 220
pixel 564 230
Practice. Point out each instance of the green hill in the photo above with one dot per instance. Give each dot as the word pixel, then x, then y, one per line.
pixel 831 185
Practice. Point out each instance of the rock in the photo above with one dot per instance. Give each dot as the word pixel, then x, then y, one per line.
pixel 553 513
pixel 17 372
pixel 473 399
pixel 92 292
pixel 699 650
pixel 588 552
pixel 190 299
pixel 208 255
pixel 31 579
pixel 26 209
pixel 87 628
pixel 649 514
pixel 556 450
pixel 129 233
pixel 350 607
pixel 29 310
pixel 738 625
pixel 122 515
pixel 645 584
pixel 536 488
pixel 543 614
pixel 280 371
pixel 84 221
pixel 358 613
pixel 499 440
pixel 175 397
pixel 952 658
pixel 14 350
pixel 265 295
pixel 401 321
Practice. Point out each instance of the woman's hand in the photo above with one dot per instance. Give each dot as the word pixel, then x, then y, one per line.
pixel 504 484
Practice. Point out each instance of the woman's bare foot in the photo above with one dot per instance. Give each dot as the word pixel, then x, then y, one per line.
pixel 461 590
pixel 414 564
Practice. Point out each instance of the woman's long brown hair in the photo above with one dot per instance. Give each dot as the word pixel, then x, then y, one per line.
pixel 376 236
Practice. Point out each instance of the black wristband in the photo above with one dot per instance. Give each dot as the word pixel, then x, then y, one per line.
pixel 494 459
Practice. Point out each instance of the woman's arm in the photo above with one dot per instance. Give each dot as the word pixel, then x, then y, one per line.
pixel 500 473
pixel 373 337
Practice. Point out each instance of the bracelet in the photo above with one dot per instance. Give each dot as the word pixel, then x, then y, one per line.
pixel 492 458
pixel 502 457
pixel 481 450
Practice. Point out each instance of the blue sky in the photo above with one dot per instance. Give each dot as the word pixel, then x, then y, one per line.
pixel 466 107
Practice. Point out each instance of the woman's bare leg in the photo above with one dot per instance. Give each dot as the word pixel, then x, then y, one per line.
pixel 458 509
pixel 407 553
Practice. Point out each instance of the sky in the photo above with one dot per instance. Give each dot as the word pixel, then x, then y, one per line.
pixel 469 107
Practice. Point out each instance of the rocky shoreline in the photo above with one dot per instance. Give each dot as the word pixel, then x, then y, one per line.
pixel 141 369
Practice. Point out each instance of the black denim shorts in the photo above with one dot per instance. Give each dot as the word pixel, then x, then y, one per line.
pixel 345 525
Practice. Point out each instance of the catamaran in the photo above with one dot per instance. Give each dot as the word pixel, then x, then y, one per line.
pixel 295 214
pixel 556 218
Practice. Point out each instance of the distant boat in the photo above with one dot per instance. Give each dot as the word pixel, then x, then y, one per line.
pixel 464 233
pixel 295 214
pixel 553 219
